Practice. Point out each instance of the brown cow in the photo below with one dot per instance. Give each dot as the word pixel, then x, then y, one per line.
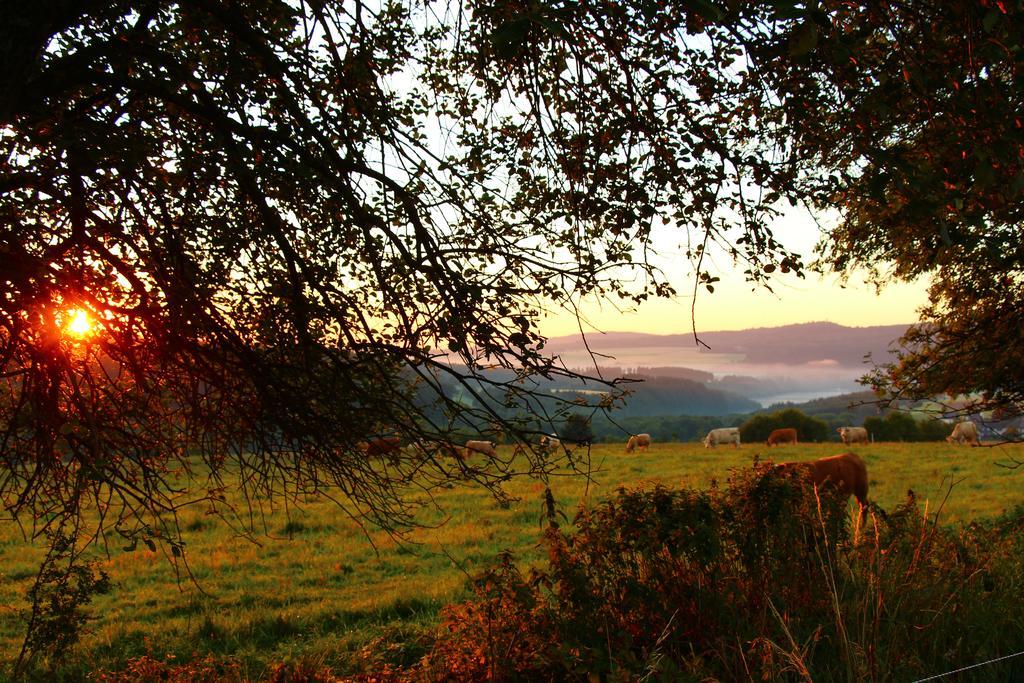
pixel 780 436
pixel 381 445
pixel 477 446
pixel 847 472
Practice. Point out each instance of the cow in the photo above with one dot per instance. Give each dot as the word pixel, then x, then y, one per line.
pixel 389 447
pixel 485 447
pixel 847 472
pixel 642 441
pixel 723 435
pixel 381 445
pixel 549 441
pixel 964 432
pixel 853 435
pixel 780 436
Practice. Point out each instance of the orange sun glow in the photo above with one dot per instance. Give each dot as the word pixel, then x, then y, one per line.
pixel 78 323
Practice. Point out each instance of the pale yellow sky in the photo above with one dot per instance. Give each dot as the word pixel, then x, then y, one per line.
pixel 736 305
pixel 733 306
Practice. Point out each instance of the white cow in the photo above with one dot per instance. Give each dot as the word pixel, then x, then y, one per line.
pixel 642 441
pixel 964 432
pixel 723 435
pixel 547 441
pixel 853 435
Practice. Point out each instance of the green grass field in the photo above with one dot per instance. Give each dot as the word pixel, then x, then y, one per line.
pixel 314 588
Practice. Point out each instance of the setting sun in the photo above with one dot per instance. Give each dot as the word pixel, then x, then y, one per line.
pixel 78 323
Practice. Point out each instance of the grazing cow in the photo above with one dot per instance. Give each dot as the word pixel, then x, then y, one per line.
pixel 485 447
pixel 780 436
pixel 853 435
pixel 549 442
pixel 381 445
pixel 847 472
pixel 636 441
pixel 964 432
pixel 723 435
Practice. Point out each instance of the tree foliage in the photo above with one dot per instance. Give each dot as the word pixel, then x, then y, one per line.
pixel 912 111
pixel 898 426
pixel 662 428
pixel 808 428
pixel 577 429
pixel 286 219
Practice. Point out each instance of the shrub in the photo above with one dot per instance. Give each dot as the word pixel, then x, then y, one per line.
pixel 759 579
pixel 64 586
pixel 146 669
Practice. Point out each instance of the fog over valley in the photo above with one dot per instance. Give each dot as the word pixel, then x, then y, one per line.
pixel 792 363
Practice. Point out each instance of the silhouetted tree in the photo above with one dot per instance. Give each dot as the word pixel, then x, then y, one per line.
pixel 911 112
pixel 286 220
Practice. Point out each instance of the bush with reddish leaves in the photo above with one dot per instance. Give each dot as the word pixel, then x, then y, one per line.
pixel 760 578
pixel 210 669
pixel 146 669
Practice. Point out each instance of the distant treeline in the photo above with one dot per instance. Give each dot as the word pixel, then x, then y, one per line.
pixel 896 426
pixel 662 427
pixel 903 427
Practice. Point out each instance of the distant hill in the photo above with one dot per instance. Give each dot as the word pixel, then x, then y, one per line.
pixel 648 394
pixel 791 363
pixel 678 373
pixel 823 343
pixel 744 371
pixel 808 343
pixel 666 394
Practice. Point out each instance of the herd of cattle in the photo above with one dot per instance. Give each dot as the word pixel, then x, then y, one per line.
pixel 847 471
pixel 387 446
pixel 963 432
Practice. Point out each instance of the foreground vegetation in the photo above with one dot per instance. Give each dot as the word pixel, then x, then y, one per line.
pixel 758 580
pixel 314 589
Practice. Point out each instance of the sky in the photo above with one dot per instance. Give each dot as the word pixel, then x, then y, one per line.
pixel 736 304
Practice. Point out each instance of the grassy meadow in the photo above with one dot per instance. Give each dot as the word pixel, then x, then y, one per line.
pixel 315 588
